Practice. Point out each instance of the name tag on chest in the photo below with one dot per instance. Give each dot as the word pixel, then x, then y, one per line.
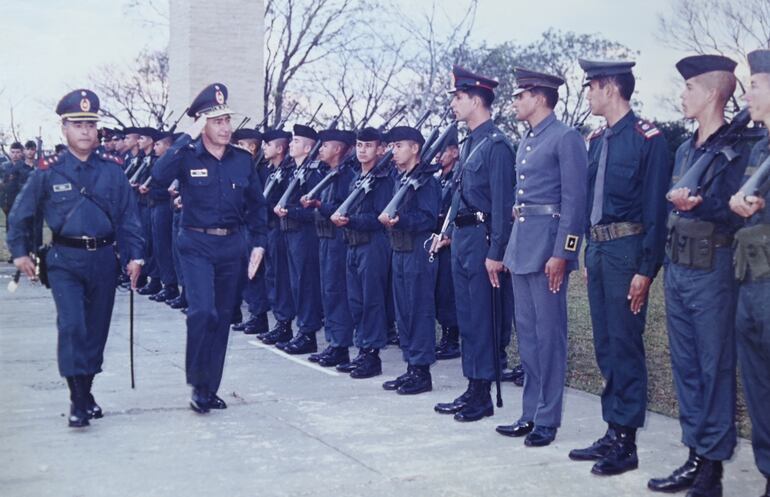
pixel 62 187
pixel 199 173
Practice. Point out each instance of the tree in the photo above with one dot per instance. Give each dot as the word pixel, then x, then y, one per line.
pixel 136 95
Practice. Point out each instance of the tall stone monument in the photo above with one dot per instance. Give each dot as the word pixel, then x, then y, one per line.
pixel 217 41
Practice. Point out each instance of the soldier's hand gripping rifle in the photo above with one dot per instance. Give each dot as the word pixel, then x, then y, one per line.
pixel 302 172
pixel 416 178
pixel 721 144
pixel 758 183
pixel 326 181
pixel 365 184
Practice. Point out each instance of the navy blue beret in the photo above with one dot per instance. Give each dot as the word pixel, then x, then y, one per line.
pixel 146 131
pixel 759 61
pixel 275 134
pixel 79 105
pixel 246 134
pixel 404 133
pixel 339 135
pixel 369 134
pixel 695 65
pixel 305 131
pixel 211 102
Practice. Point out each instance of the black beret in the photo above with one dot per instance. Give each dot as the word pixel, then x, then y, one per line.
pixel 211 102
pixel 162 135
pixel 339 135
pixel 695 65
pixel 246 134
pixel 759 61
pixel 527 79
pixel 404 133
pixel 116 134
pixel 146 131
pixel 79 105
pixel 305 131
pixel 275 134
pixel 602 68
pixel 463 79
pixel 131 130
pixel 369 134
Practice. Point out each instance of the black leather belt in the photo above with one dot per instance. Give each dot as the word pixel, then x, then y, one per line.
pixel 213 231
pixel 612 231
pixel 84 242
pixel 521 212
pixel 470 218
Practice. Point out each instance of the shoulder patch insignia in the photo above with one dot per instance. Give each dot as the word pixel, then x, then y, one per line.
pixel 646 129
pixel 49 161
pixel 111 158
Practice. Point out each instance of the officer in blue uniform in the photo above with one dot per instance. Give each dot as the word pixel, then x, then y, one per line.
pixel 414 277
pixel 367 259
pixel 332 250
pixel 281 169
pixel 699 289
pixel 298 226
pixel 551 168
pixel 87 203
pixel 161 220
pixel 254 290
pixel 446 310
pixel 628 175
pixel 752 269
pixel 484 194
pixel 222 195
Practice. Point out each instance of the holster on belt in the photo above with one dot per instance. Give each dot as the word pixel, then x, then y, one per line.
pixel 323 227
pixel 354 238
pixel 691 242
pixel 287 224
pixel 752 252
pixel 42 264
pixel 401 241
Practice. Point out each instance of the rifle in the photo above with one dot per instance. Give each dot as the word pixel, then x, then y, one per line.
pixel 242 123
pixel 301 173
pixel 263 123
pixel 723 143
pixel 178 120
pixel 146 161
pixel 416 179
pixel 131 335
pixel 759 182
pixel 312 118
pixel 365 184
pixel 326 181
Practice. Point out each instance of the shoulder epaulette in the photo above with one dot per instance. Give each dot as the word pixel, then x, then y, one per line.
pixel 49 161
pixel 646 129
pixel 597 133
pixel 111 158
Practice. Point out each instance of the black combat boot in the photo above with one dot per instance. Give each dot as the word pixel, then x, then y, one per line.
pixel 150 288
pixel 393 384
pixel 682 477
pixel 622 454
pixel 318 356
pixel 347 367
pixel 457 404
pixel 169 292
pixel 179 302
pixel 479 405
pixel 370 365
pixel 449 346
pixel 280 333
pixel 598 449
pixel 237 317
pixel 215 402
pixel 515 375
pixel 393 335
pixel 419 382
pixel 199 401
pixel 93 409
pixel 708 483
pixel 256 325
pixel 78 401
pixel 338 355
pixel 302 343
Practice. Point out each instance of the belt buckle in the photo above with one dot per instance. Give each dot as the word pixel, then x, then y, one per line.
pixel 90 243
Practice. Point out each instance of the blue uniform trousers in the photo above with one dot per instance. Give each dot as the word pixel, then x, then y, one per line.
pixel 700 314
pixel 541 328
pixel 175 227
pixel 161 219
pixel 473 294
pixel 211 266
pixel 617 331
pixel 305 277
pixel 277 276
pixel 752 325
pixel 338 323
pixel 367 278
pixel 446 309
pixel 150 267
pixel 414 285
pixel 83 287
pixel 390 305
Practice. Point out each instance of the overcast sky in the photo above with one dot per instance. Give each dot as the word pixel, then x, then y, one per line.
pixel 51 46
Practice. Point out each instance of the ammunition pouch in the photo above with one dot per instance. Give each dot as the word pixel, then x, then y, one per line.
pixel 287 224
pixel 692 242
pixel 355 238
pixel 752 252
pixel 42 264
pixel 401 241
pixel 323 227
